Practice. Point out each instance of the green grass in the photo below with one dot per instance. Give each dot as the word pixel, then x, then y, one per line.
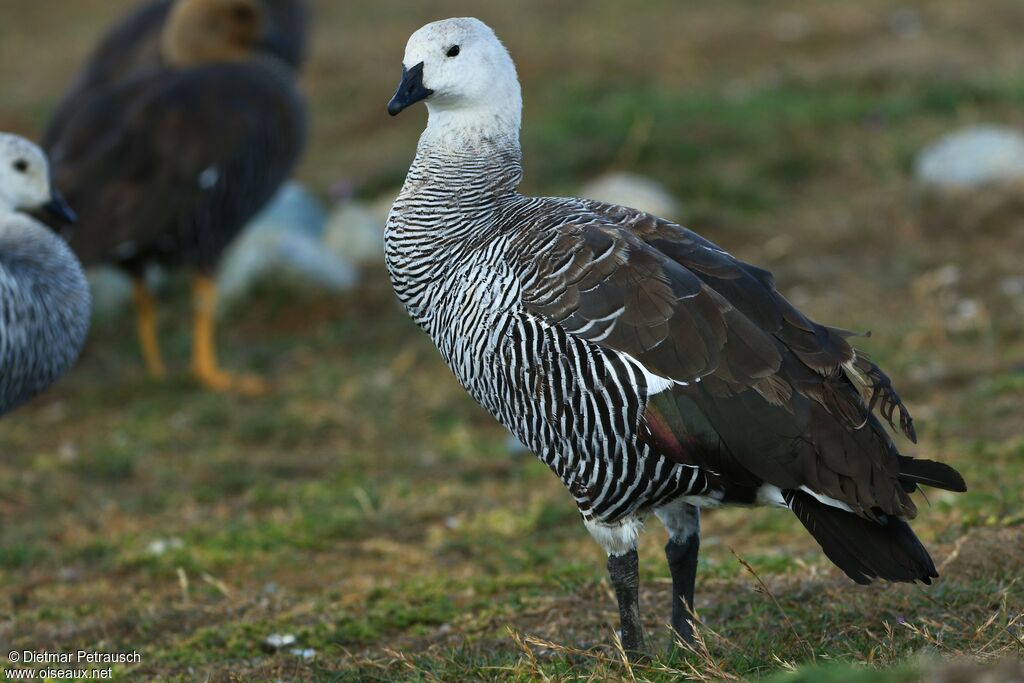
pixel 367 507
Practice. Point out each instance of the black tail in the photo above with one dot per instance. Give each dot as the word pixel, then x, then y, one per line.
pixel 930 473
pixel 865 550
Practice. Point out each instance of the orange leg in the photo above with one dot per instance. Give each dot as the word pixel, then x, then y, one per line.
pixel 204 349
pixel 145 309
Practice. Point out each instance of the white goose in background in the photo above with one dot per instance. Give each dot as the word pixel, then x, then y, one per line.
pixel 44 297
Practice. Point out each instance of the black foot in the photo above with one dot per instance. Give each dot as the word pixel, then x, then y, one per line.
pixel 624 571
pixel 682 563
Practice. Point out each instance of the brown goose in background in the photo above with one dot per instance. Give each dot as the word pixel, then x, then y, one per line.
pixel 168 164
pixel 134 42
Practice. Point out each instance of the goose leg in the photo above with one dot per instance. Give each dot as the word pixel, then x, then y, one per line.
pixel 683 523
pixel 204 351
pixel 624 571
pixel 145 310
pixel 619 540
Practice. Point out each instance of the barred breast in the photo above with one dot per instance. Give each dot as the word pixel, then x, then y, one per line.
pixel 451 250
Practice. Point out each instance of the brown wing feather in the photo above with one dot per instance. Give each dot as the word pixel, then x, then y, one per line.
pixel 781 398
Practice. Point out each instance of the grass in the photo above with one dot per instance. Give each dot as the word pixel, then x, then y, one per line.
pixel 368 508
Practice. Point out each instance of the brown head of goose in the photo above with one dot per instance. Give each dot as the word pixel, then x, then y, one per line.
pixel 647 367
pixel 134 42
pixel 168 164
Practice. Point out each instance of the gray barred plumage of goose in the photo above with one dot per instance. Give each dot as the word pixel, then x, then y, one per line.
pixel 44 297
pixel 648 368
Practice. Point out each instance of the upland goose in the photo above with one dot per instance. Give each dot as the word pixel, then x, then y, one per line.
pixel 168 164
pixel 44 297
pixel 134 43
pixel 648 368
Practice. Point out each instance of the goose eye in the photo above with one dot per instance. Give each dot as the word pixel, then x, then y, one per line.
pixel 20 165
pixel 453 51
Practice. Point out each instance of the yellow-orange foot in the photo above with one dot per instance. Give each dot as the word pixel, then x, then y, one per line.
pixel 205 367
pixel 216 379
pixel 145 308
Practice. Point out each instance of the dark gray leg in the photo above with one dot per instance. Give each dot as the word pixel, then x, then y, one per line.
pixel 682 521
pixel 682 562
pixel 624 571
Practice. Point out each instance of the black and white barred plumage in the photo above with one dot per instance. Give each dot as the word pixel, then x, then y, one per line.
pixel 647 367
pixel 452 256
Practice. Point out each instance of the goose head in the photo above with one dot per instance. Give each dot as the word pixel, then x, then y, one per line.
pixel 464 74
pixel 211 31
pixel 25 180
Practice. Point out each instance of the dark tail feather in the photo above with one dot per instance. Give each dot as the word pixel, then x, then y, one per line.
pixel 863 549
pixel 930 473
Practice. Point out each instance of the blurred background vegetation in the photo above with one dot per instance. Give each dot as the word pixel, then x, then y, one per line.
pixel 369 509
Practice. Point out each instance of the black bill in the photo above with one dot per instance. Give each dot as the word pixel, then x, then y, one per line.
pixel 59 209
pixel 410 90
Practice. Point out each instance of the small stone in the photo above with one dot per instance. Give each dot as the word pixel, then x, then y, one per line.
pixel 974 157
pixel 293 255
pixel 1013 286
pixel 278 641
pixel 293 208
pixel 355 234
pixel 69 574
pixel 633 191
pixel 161 545
pixel 304 653
pixel 968 314
pixel 514 447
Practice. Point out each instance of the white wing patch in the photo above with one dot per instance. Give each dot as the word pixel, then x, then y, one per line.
pixel 770 495
pixel 827 500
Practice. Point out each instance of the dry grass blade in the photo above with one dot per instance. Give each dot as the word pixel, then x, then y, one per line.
pixel 763 587
pixel 712 670
pixel 530 657
pixel 623 657
pixel 403 659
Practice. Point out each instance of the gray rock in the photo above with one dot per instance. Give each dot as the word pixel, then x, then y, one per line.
pixel 635 191
pixel 381 206
pixel 111 291
pixel 284 240
pixel 974 157
pixel 516 448
pixel 281 253
pixel 355 234
pixel 276 641
pixel 293 208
